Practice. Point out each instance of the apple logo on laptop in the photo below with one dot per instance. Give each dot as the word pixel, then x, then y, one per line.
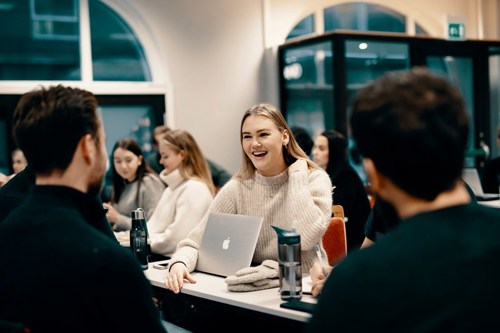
pixel 225 243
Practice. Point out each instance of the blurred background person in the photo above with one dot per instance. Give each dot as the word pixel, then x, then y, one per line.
pixel 303 139
pixel 135 185
pixel 330 152
pixel 188 195
pixel 154 158
pixel 219 175
pixel 18 164
pixel 491 172
pixel 19 161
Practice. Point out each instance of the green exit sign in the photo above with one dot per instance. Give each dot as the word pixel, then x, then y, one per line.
pixel 456 31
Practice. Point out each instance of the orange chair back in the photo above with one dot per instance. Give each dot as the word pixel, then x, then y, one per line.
pixel 335 241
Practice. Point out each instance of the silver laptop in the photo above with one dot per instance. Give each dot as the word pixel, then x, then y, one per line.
pixel 228 243
pixel 471 177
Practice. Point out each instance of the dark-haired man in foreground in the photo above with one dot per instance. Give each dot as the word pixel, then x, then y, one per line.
pixel 59 272
pixel 438 271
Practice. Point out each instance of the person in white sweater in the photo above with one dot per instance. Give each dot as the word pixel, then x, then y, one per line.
pixel 135 185
pixel 277 181
pixel 189 193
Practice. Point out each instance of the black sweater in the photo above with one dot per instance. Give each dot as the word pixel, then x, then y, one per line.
pixel 59 273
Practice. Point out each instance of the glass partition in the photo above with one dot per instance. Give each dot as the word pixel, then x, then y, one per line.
pixel 494 65
pixel 308 75
pixel 459 71
pixel 320 76
pixel 366 60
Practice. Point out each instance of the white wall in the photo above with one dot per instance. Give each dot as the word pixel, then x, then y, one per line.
pixel 219 56
pixel 213 52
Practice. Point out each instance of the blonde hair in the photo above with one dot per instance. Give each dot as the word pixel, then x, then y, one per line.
pixel 194 164
pixel 291 151
pixel 161 129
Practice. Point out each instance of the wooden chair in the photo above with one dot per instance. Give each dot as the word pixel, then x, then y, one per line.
pixel 335 241
pixel 338 211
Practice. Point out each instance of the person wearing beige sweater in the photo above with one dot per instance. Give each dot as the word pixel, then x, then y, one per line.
pixel 276 181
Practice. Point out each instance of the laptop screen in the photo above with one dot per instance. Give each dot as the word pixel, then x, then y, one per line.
pixel 228 243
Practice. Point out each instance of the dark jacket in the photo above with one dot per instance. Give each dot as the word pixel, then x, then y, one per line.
pixel 59 273
pixel 351 194
pixel 16 191
pixel 437 272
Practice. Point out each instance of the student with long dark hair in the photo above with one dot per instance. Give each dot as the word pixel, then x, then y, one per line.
pixel 135 184
pixel 330 152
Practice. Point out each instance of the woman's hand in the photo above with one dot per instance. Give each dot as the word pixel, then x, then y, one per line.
pixel 112 214
pixel 318 276
pixel 175 278
pixel 298 165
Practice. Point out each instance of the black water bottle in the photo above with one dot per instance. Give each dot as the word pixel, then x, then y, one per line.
pixel 290 263
pixel 139 237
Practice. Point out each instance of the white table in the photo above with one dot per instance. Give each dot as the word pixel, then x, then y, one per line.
pixel 491 203
pixel 213 288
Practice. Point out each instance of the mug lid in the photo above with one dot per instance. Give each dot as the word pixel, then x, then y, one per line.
pixel 138 214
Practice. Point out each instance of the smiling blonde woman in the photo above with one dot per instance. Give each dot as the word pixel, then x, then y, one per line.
pixel 276 181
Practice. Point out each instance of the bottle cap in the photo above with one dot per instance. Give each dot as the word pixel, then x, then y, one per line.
pixel 138 214
pixel 287 236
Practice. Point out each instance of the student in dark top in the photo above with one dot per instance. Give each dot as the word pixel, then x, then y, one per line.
pixel 438 270
pixel 303 139
pixel 491 172
pixel 17 190
pixel 330 152
pixel 491 176
pixel 59 272
pixel 384 218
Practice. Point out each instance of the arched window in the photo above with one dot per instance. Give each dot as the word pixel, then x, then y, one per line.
pixel 304 27
pixel 359 16
pixel 84 43
pixel 42 40
pixel 117 55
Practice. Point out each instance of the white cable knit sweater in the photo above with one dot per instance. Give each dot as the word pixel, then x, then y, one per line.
pixel 180 209
pixel 304 197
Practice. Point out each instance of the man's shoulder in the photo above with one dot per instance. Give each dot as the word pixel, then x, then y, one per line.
pixel 473 213
pixel 8 204
pixel 18 187
pixel 495 160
